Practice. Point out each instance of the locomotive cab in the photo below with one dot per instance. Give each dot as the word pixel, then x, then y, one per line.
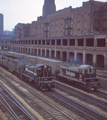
pixel 44 71
pixel 88 74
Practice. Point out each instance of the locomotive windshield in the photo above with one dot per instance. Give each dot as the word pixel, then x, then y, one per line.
pixel 89 72
pixel 44 71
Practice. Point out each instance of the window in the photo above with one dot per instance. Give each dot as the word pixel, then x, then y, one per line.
pixel 45 34
pixel 48 28
pixel 70 32
pixel 48 34
pixel 72 16
pixel 45 28
pixel 66 25
pixel 71 24
pixel 66 32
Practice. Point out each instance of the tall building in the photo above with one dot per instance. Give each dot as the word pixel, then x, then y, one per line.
pixel 48 7
pixel 1 24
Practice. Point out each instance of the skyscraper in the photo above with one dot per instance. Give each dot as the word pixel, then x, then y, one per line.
pixel 48 7
pixel 1 24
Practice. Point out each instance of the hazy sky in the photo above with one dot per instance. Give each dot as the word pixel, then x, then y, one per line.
pixel 26 11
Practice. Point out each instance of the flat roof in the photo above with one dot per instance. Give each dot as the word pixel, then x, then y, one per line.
pixel 47 59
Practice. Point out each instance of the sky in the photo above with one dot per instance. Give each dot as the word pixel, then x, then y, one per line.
pixel 26 11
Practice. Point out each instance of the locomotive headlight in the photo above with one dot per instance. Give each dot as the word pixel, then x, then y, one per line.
pixel 45 66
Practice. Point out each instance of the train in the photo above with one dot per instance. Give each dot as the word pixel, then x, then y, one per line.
pixel 83 76
pixel 39 74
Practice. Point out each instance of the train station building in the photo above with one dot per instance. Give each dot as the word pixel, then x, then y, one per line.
pixel 79 34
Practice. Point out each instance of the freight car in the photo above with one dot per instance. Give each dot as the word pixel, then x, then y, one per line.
pixel 39 74
pixel 13 63
pixel 84 76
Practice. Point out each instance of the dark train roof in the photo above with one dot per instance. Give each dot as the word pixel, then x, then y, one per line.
pixel 75 68
pixel 18 60
pixel 35 66
pixel 39 65
pixel 15 59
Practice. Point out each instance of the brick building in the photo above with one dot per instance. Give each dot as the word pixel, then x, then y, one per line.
pixel 71 33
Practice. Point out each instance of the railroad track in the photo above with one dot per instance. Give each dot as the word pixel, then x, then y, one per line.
pixel 80 109
pixel 103 79
pixel 76 106
pixel 83 111
pixel 86 98
pixel 43 107
pixel 6 111
pixel 102 73
pixel 87 112
pixel 12 106
pixel 103 82
pixel 101 93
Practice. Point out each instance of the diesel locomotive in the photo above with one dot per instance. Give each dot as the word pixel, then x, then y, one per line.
pixel 38 74
pixel 84 76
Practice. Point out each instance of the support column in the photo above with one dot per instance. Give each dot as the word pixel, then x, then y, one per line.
pixel 55 48
pixel 84 56
pixel 76 43
pixel 61 55
pixel 11 48
pixel 75 55
pixel 50 53
pixel 68 43
pixel 84 43
pixel 37 51
pixel 106 43
pixel 18 49
pixel 67 55
pixel 27 50
pixel 61 42
pixel 68 49
pixel 22 50
pixel 33 51
pixel 30 51
pixel 105 61
pixel 95 43
pixel 94 60
pixel 45 52
pixel 41 52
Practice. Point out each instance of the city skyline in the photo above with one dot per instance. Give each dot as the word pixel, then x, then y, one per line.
pixel 18 11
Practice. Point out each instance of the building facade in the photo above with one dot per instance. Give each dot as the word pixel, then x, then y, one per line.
pixel 7 32
pixel 79 34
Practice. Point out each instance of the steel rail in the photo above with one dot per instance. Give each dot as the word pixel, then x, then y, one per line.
pixel 65 97
pixel 47 102
pixel 27 113
pixel 94 101
pixel 17 105
pixel 8 110
pixel 41 98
